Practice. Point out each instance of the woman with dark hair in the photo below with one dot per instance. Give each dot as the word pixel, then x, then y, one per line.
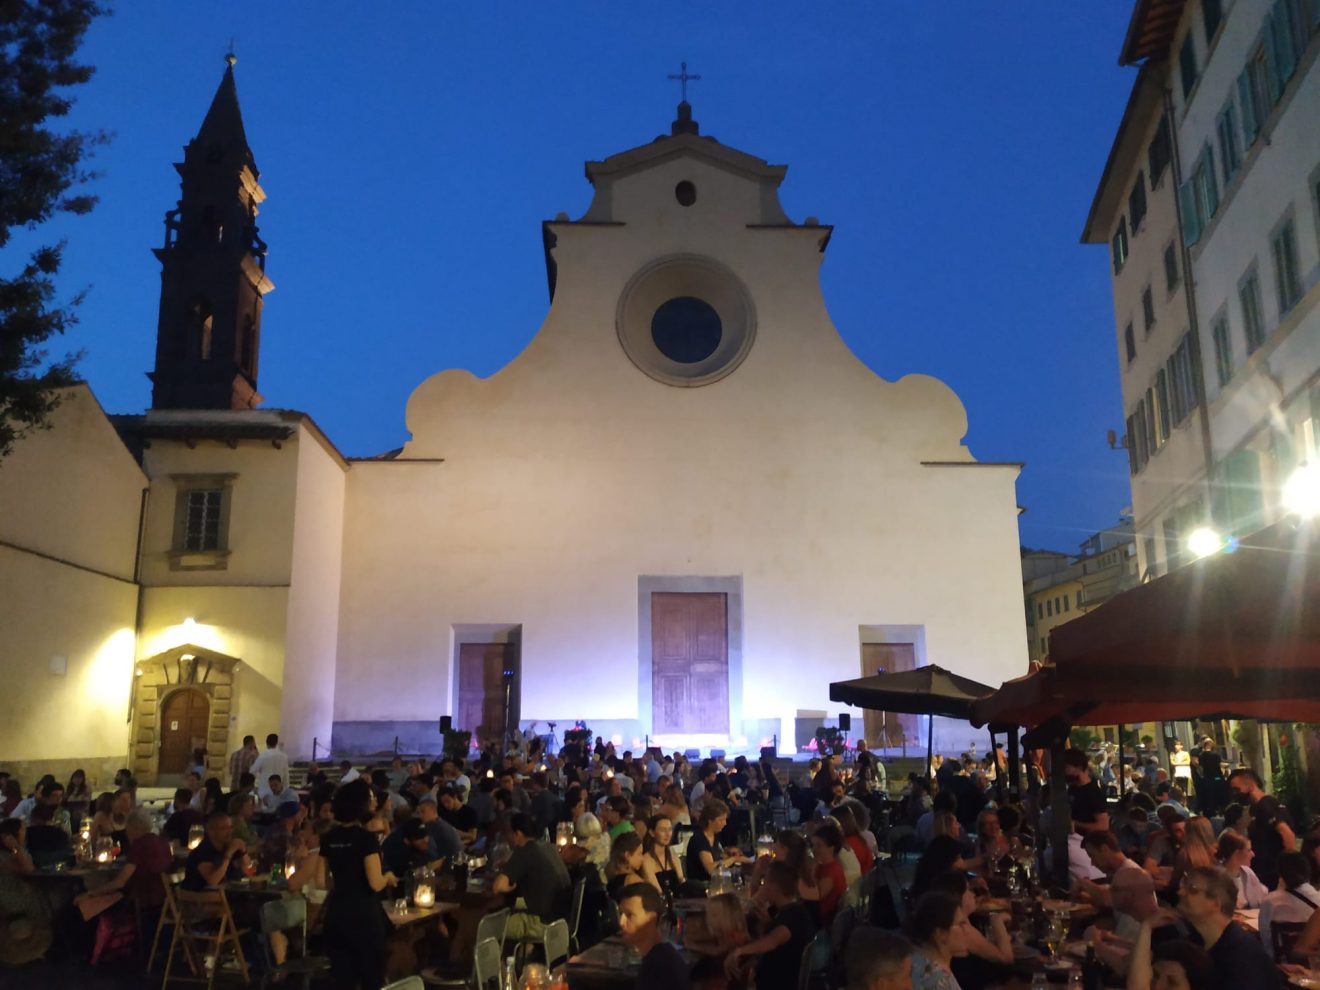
pixel 852 837
pixel 943 853
pixel 77 797
pixel 660 866
pixel 826 842
pixel 704 854
pixel 574 804
pixel 213 799
pixel 625 864
pixel 938 928
pixel 988 954
pixel 355 923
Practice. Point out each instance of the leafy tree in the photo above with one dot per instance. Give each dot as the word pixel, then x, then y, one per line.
pixel 41 173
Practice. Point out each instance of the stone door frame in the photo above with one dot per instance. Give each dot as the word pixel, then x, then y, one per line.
pixel 185 667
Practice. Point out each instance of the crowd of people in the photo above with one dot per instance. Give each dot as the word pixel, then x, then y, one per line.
pixel 643 832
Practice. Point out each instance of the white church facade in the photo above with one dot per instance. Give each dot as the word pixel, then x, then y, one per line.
pixel 677 515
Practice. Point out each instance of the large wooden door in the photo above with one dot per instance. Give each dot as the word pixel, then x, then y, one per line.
pixel 689 662
pixel 481 669
pixel 889 728
pixel 184 726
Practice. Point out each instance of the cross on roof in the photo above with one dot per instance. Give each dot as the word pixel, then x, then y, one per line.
pixel 683 76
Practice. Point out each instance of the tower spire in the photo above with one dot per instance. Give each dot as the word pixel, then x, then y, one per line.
pixel 213 269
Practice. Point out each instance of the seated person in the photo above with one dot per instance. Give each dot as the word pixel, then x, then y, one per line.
pixel 218 858
pixel 148 859
pixel 878 960
pixel 1294 902
pixel 704 855
pixel 943 853
pixel 625 864
pixel 277 794
pixel 662 966
pixel 407 848
pixel 540 879
pixel 280 842
pixel 185 816
pixel 779 951
pixel 242 809
pixel 445 841
pixel 458 814
pixel 1162 853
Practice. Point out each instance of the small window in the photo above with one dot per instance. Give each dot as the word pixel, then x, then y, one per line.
pixel 201 521
pixel 686 193
pixel 1040 610
pixel 1213 13
pixel 1253 327
pixel 1065 603
pixel 1287 280
pixel 1223 350
pixel 1043 649
pixel 1163 423
pixel 1130 343
pixel 1120 245
pixel 1160 153
pixel 1187 65
pixel 1079 598
pixel 1230 158
pixel 1137 203
pixel 1172 275
pixel 1148 308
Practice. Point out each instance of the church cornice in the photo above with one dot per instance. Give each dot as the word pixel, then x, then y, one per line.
pixel 667 147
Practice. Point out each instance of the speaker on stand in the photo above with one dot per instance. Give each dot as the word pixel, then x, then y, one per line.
pixel 845 726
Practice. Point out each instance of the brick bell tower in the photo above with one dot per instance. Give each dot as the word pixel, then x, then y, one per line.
pixel 213 270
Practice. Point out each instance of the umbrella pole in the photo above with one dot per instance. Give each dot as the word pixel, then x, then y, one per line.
pixel 1060 816
pixel 994 762
pixel 930 747
pixel 1014 764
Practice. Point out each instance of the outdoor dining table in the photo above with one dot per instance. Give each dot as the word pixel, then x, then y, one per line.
pixel 609 965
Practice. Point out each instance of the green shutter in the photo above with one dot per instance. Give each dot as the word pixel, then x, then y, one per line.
pixel 1211 184
pixel 1271 79
pixel 1191 219
pixel 1315 16
pixel 1283 43
pixel 1249 125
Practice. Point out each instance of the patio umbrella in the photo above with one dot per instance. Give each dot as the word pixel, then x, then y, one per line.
pixel 928 690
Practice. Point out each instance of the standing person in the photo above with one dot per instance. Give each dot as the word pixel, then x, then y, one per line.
pixel 355 923
pixel 271 763
pixel 1270 831
pixel 241 760
pixel 1180 764
pixel 662 968
pixel 1210 785
pixel 1090 810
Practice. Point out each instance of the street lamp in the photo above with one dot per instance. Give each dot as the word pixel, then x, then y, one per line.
pixel 1204 541
pixel 1301 492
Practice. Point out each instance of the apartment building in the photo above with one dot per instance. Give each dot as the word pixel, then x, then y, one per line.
pixel 1209 205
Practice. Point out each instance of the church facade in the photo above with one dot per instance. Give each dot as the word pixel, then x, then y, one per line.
pixel 677 515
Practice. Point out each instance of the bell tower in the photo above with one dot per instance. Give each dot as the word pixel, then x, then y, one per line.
pixel 213 270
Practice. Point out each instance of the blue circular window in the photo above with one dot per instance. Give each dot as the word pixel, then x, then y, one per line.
pixel 686 330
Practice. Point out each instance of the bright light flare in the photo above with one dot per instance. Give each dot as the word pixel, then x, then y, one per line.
pixel 1301 492
pixel 1204 541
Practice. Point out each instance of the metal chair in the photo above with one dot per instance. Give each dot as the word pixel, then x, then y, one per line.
pixel 815 962
pixel 1283 936
pixel 489 928
pixel 304 966
pixel 555 944
pixel 575 915
pixel 487 975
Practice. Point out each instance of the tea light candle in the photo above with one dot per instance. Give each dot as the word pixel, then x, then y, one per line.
pixel 424 896
pixel 195 836
pixel 290 868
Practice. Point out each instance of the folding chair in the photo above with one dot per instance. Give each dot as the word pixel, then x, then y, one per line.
pixel 303 966
pixel 169 915
pixel 205 922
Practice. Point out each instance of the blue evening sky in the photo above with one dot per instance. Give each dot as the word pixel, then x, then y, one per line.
pixel 410 150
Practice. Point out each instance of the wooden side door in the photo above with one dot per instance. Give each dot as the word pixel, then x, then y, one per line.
pixel 481 688
pixel 689 662
pixel 889 728
pixel 184 725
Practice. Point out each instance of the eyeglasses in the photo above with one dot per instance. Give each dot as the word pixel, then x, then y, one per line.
pixel 1191 888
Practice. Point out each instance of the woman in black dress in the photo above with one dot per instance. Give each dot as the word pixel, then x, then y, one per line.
pixel 355 923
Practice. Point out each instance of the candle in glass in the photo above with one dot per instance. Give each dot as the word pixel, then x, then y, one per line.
pixel 195 836
pixel 105 849
pixel 290 867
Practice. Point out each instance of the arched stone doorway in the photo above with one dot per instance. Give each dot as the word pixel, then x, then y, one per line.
pixel 182 699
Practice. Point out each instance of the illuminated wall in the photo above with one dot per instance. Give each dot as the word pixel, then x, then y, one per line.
pixel 70 499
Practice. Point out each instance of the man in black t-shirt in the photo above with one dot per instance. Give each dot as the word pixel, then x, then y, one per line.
pixel 791 928
pixel 183 818
pixel 1270 831
pixel 663 966
pixel 457 814
pixel 219 857
pixel 539 876
pixel 1090 810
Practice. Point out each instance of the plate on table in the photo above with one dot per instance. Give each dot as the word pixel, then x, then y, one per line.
pixel 1058 965
pixel 1053 906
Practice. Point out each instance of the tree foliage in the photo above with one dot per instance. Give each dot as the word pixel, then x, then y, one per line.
pixel 42 173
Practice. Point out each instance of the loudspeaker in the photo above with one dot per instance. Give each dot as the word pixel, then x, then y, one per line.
pixel 768 753
pixel 845 722
pixel 446 723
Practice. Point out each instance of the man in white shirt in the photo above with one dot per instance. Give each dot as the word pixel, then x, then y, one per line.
pixel 271 763
pixel 1295 900
pixel 347 772
pixel 1130 892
